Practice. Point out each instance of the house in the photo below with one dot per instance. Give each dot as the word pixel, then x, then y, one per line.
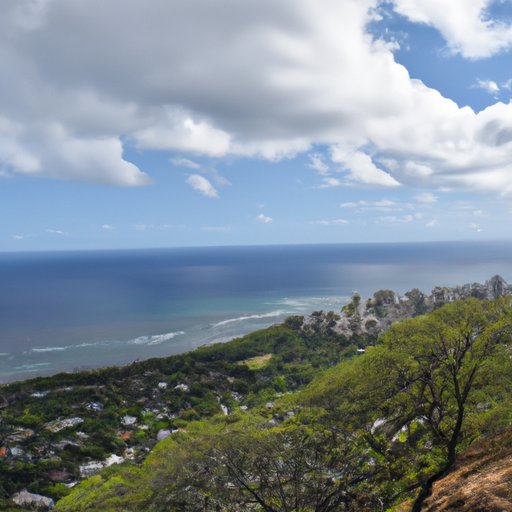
pixel 5 453
pixel 94 406
pixel 128 420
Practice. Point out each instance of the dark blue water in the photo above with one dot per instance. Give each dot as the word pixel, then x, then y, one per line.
pixel 61 311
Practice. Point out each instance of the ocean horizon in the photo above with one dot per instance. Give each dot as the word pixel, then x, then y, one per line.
pixel 63 311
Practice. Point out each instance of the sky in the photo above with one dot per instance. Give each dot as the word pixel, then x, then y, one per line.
pixel 164 123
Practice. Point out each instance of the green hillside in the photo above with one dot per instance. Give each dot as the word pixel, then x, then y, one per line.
pixel 372 432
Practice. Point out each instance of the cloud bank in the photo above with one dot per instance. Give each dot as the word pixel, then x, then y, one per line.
pixel 82 80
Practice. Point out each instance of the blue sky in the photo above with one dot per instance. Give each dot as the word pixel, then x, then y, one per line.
pixel 127 124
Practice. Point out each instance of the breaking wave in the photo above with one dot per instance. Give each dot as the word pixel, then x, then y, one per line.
pixel 60 349
pixel 155 339
pixel 272 314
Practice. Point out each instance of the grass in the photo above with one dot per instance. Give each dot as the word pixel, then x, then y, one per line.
pixel 258 362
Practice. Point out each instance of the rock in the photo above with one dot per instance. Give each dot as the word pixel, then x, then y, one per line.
pixel 59 475
pixel 113 459
pixel 386 307
pixel 90 469
pixel 29 500
pixel 58 425
pixel 163 434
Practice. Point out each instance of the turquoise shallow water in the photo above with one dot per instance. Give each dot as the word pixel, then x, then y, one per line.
pixel 61 311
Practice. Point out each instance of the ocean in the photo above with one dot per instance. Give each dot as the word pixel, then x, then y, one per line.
pixel 63 311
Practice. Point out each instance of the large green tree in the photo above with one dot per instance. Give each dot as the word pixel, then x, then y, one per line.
pixel 410 396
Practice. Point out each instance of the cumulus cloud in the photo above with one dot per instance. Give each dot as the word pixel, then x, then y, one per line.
pixel 489 86
pixel 316 162
pixel 185 162
pixel 202 185
pixel 426 198
pixel 465 24
pixel 265 219
pixel 107 227
pixel 331 182
pixel 362 169
pixel 256 78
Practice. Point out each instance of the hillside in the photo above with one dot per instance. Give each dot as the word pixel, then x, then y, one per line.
pixel 322 413
pixel 481 480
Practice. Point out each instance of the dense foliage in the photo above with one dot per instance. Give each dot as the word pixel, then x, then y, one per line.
pixel 159 394
pixel 366 434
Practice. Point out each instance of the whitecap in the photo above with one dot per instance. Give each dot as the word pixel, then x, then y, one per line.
pixel 155 339
pixel 60 349
pixel 272 314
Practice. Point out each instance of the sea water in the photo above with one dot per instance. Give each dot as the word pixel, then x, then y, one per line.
pixel 68 310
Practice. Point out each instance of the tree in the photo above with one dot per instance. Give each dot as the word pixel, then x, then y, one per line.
pixel 443 355
pixel 410 396
pixel 294 468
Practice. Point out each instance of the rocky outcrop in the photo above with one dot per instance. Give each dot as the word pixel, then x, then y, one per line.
pixel 32 501
pixel 386 307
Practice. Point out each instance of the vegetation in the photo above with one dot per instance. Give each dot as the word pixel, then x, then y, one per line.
pixel 159 395
pixel 367 434
pixel 296 417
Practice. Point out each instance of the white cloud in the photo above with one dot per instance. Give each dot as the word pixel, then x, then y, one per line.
pixel 316 162
pixel 475 227
pixel 107 227
pixel 58 232
pixel 383 205
pixel 464 24
pixel 335 222
pixel 18 237
pixel 362 168
pixel 490 86
pixel 432 223
pixel 185 162
pixel 256 78
pixel 174 130
pixel 202 185
pixel 331 182
pixel 265 219
pixel 426 198
pixel 352 204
